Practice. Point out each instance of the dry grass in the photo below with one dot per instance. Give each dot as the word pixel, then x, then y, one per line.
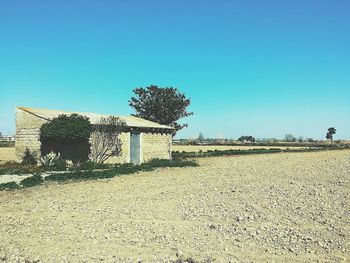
pixel 7 154
pixel 261 208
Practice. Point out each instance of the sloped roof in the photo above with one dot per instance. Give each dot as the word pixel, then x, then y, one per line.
pixel 130 121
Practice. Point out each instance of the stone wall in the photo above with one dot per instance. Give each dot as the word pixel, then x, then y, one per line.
pixel 27 132
pixel 155 146
pixel 125 156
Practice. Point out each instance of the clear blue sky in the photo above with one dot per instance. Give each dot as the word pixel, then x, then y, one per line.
pixel 261 68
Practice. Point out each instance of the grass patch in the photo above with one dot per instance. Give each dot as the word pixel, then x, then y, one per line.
pixel 9 186
pixel 34 180
pixel 18 168
pixel 116 170
pixel 176 162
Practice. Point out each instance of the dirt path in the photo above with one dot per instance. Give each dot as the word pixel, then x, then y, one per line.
pixel 276 207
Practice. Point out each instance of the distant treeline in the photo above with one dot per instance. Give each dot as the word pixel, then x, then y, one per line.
pixel 7 144
pixel 180 155
pixel 258 142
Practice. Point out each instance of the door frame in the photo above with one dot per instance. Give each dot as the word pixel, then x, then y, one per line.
pixel 140 147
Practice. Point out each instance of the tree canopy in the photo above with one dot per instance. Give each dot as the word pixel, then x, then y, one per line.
pixel 66 128
pixel 67 135
pixel 246 139
pixel 330 133
pixel 162 105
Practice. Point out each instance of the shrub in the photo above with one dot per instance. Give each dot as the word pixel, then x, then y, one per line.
pixel 67 135
pixel 18 168
pixel 119 170
pixel 9 186
pixel 90 165
pixel 49 159
pixel 60 165
pixel 29 158
pixel 171 163
pixel 36 179
pixel 105 141
pixel 53 161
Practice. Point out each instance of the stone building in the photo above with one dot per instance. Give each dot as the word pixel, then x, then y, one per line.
pixel 143 140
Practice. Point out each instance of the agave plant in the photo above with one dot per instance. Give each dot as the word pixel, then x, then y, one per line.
pixel 49 159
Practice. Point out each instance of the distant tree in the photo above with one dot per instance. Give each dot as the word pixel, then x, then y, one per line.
pixel 105 141
pixel 300 139
pixel 272 140
pixel 200 137
pixel 310 140
pixel 0 134
pixel 246 139
pixel 290 138
pixel 162 105
pixel 330 133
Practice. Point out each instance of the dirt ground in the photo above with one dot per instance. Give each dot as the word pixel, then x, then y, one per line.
pixel 291 207
pixel 205 148
pixel 7 154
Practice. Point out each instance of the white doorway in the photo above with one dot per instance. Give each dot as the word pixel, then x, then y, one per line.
pixel 135 148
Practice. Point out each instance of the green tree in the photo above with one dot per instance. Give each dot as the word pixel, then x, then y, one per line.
pixel 330 133
pixel 68 136
pixel 162 105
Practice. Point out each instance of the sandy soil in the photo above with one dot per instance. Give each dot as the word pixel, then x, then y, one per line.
pixel 7 154
pixel 204 148
pixel 262 208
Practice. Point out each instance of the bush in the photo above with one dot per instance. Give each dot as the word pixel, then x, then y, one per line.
pixel 119 170
pixel 34 180
pixel 29 158
pixel 18 168
pixel 67 135
pixel 53 161
pixel 9 186
pixel 49 159
pixel 60 165
pixel 171 163
pixel 105 141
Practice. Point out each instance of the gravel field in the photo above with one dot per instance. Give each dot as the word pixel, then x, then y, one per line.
pixel 205 148
pixel 290 207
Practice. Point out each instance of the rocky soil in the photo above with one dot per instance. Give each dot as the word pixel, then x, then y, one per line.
pixel 290 207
